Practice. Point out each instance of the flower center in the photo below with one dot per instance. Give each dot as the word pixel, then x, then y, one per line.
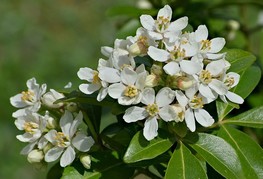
pixel 162 23
pixel 96 79
pixel 205 45
pixel 31 127
pixel 152 109
pixel 61 139
pixel 27 96
pixel 229 81
pixel 177 54
pixel 196 103
pixel 205 77
pixel 131 91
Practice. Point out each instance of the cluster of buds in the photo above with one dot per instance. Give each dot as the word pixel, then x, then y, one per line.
pixel 163 73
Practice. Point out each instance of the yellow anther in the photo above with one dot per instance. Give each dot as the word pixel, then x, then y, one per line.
pixel 205 77
pixel 177 53
pixel 31 127
pixel 206 45
pixel 229 81
pixel 61 139
pixel 152 109
pixel 27 96
pixel 131 91
pixel 196 103
pixel 96 79
pixel 162 23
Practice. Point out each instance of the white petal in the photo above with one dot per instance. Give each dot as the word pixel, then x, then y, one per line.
pixel 26 137
pixel 157 54
pixel 75 124
pixel 128 76
pixel 124 100
pixel 167 113
pixel 217 44
pixel 102 94
pixel 53 154
pixel 234 97
pixel 65 122
pixel 218 86
pixel 179 24
pixel 116 90
pixel 109 75
pixel 190 67
pixel 214 56
pixel 32 84
pixel 89 88
pixel 150 128
pixel 206 91
pixel 82 142
pixel 106 51
pixel 67 157
pixel 203 117
pixel 166 12
pixel 223 98
pixel 50 136
pixel 134 114
pixel 190 120
pixel 171 68
pixel 28 148
pixel 86 74
pixel 181 98
pixel 17 102
pixel 235 76
pixel 201 33
pixel 155 35
pixel 140 82
pixel 42 142
pixel 148 96
pixel 216 67
pixel 20 122
pixel 147 22
pixel 164 97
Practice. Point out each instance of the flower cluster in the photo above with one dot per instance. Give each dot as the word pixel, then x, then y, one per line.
pixel 53 134
pixel 164 73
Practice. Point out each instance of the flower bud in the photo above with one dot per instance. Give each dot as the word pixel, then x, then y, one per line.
pixel 35 156
pixel 72 107
pixel 151 80
pixel 50 97
pixel 157 70
pixel 233 25
pixel 184 83
pixel 179 110
pixel 137 48
pixel 51 123
pixel 86 161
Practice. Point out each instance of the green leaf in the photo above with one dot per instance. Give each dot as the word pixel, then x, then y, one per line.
pixel 248 81
pixel 251 118
pixel 184 164
pixel 217 152
pixel 55 171
pixel 141 149
pixel 129 11
pixel 71 172
pixel 249 152
pixel 240 60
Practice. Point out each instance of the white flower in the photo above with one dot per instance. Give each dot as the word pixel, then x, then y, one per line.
pixel 50 97
pixel 65 141
pixel 194 110
pixel 129 90
pixel 156 107
pixel 231 79
pixel 33 124
pixel 162 27
pixel 28 100
pixel 177 62
pixel 208 48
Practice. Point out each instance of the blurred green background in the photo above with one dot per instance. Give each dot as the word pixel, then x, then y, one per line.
pixel 51 40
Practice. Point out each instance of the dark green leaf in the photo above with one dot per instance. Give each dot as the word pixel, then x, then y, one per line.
pixel 217 152
pixel 184 165
pixel 55 172
pixel 249 152
pixel 251 118
pixel 71 172
pixel 141 149
pixel 248 81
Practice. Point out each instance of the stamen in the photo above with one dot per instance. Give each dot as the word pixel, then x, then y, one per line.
pixel 152 109
pixel 27 96
pixel 205 77
pixel 131 91
pixel 31 127
pixel 61 139
pixel 196 103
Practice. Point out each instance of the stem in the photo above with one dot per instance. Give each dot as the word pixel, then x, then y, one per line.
pixel 91 127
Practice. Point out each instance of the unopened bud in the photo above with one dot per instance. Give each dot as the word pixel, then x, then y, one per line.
pixel 151 80
pixel 179 111
pixel 233 25
pixel 50 97
pixel 137 48
pixel 184 83
pixel 72 107
pixel 51 123
pixel 86 161
pixel 157 70
pixel 35 156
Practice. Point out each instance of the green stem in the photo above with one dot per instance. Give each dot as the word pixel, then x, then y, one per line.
pixel 91 127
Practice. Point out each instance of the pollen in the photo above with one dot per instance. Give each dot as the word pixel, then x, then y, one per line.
pixel 61 139
pixel 229 81
pixel 205 77
pixel 206 45
pixel 177 53
pixel 131 91
pixel 162 23
pixel 196 103
pixel 152 109
pixel 31 127
pixel 27 96
pixel 96 79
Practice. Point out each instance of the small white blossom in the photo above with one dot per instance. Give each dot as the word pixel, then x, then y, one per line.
pixel 50 97
pixel 65 141
pixel 28 100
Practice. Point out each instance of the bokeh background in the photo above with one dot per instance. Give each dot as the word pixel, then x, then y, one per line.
pixel 52 39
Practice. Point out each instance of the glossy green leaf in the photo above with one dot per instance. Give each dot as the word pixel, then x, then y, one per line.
pixel 141 149
pixel 240 60
pixel 251 118
pixel 248 81
pixel 184 164
pixel 71 172
pixel 217 152
pixel 249 152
